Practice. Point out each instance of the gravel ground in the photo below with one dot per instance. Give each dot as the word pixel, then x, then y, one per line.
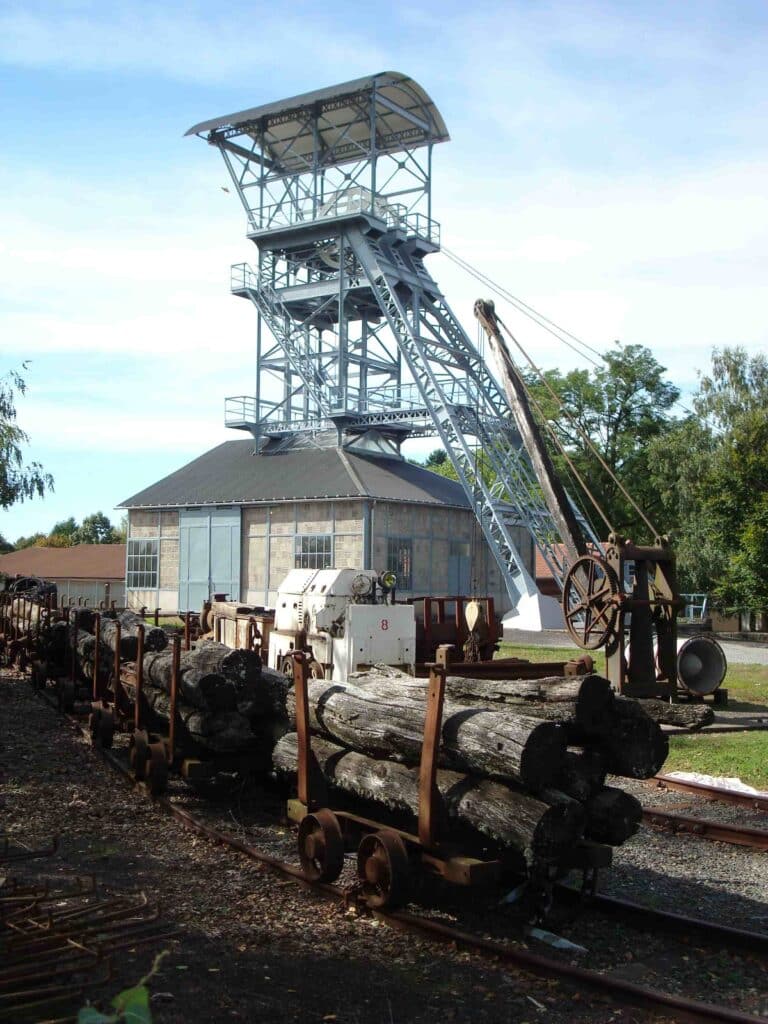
pixel 255 947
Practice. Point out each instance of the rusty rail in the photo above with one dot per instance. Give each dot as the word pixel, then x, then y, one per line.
pixel 719 832
pixel 728 796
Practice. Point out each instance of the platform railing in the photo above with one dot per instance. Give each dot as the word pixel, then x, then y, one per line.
pixel 343 203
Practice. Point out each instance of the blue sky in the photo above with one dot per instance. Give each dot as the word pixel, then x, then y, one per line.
pixel 607 164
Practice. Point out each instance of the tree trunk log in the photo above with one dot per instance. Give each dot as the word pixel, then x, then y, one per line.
pixel 208 691
pixel 584 702
pixel 511 818
pixel 636 747
pixel 155 639
pixel 582 773
pixel 222 732
pixel 612 816
pixel 686 716
pixel 497 743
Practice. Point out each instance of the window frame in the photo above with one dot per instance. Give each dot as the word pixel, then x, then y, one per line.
pixel 313 551
pixel 142 566
pixel 396 547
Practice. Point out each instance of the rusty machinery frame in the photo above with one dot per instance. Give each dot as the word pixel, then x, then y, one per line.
pixel 386 856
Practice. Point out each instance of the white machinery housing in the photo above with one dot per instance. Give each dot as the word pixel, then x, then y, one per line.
pixel 342 619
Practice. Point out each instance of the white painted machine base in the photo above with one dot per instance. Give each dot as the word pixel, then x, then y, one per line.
pixel 534 612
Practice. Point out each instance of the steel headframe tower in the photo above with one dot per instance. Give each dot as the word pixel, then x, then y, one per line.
pixel 336 185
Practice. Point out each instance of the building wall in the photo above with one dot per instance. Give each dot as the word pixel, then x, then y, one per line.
pixel 161 526
pixel 435 534
pixel 269 541
pixel 91 592
pixel 269 537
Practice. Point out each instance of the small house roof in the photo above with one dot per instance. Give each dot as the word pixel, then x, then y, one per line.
pixel 233 474
pixel 80 562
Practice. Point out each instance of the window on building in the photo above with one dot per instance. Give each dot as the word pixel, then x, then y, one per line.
pixel 143 558
pixel 314 551
pixel 400 560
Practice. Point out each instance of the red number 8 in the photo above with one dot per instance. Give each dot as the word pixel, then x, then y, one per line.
pixel 385 624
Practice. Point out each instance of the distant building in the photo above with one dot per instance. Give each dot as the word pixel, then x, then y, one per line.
pixel 84 572
pixel 235 522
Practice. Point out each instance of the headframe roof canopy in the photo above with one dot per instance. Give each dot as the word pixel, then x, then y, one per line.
pixel 335 125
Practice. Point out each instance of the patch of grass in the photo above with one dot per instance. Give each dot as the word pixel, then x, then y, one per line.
pixel 742 754
pixel 507 650
pixel 747 685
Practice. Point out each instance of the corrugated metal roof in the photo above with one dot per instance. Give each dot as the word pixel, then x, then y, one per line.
pixel 81 562
pixel 232 474
pixel 409 119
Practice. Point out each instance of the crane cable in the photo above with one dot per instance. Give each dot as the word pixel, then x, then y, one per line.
pixel 561 335
pixel 572 471
pixel 557 332
pixel 582 433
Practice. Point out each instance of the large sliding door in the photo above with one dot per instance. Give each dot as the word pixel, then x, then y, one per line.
pixel 209 555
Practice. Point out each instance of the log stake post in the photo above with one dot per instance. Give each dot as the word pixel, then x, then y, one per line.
pixel 175 672
pixel 73 645
pixel 460 622
pixel 157 616
pixel 300 673
pixel 312 790
pixel 444 654
pixel 139 676
pixel 428 794
pixel 118 683
pixel 116 662
pixel 96 692
pixel 187 632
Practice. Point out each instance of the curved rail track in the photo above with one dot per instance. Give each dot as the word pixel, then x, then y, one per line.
pixel 719 832
pixel 754 801
pixel 623 992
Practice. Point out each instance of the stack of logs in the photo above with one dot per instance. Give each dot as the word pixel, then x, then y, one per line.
pixel 220 690
pixel 524 762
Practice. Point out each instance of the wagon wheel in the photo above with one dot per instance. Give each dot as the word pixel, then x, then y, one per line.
pixel 315 669
pixel 103 731
pixel 590 607
pixel 321 846
pixel 286 666
pixel 383 869
pixel 156 776
pixel 139 753
pixel 65 694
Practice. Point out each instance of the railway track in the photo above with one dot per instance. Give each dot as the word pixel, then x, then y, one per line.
pixel 702 828
pixel 621 991
pixel 729 796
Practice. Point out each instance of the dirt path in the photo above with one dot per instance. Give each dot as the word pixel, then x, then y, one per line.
pixel 253 947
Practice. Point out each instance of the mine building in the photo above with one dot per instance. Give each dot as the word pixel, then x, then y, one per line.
pixel 357 350
pixel 236 522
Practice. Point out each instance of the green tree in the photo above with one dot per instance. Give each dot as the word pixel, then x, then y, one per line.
pixel 97 529
pixel 621 406
pixel 17 480
pixel 63 534
pixel 33 540
pixel 5 546
pixel 712 475
pixel 437 457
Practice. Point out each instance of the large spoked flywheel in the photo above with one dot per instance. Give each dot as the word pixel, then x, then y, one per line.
pixel 590 603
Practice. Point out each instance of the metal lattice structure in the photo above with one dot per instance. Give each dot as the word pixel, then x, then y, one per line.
pixel 336 185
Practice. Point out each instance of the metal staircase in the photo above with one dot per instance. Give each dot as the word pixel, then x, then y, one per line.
pixel 364 338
